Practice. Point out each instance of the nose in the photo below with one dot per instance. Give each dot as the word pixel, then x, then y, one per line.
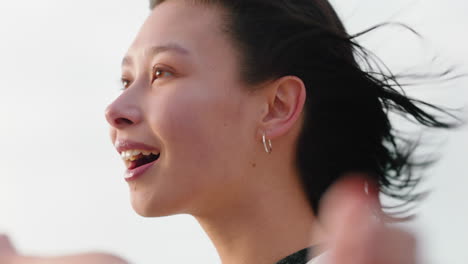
pixel 123 112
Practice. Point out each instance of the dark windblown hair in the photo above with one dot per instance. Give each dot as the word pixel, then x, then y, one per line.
pixel 349 94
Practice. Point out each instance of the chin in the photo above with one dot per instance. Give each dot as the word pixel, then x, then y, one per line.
pixel 146 211
pixel 146 208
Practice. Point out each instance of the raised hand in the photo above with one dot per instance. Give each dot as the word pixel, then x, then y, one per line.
pixel 358 235
pixel 7 251
pixel 9 255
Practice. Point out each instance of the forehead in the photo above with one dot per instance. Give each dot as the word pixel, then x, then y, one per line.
pixel 191 26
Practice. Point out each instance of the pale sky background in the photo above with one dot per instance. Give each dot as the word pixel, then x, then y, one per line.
pixel 61 184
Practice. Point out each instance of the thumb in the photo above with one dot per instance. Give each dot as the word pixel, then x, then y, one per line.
pixel 354 192
pixel 348 215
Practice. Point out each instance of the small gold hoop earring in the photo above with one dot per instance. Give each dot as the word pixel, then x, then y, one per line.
pixel 268 148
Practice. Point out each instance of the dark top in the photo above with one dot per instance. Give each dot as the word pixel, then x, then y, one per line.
pixel 300 257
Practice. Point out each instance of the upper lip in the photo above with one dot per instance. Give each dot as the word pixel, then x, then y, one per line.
pixel 124 145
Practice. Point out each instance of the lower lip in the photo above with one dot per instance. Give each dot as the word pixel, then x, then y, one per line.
pixel 133 174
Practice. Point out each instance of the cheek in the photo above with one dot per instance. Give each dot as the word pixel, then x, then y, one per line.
pixel 198 130
pixel 195 120
pixel 205 137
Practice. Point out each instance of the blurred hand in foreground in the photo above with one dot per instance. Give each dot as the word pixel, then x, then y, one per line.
pixel 7 251
pixel 358 233
pixel 9 255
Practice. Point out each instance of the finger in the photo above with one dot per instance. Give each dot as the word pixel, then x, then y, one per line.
pixel 356 237
pixel 371 245
pixel 353 232
pixel 353 190
pixel 396 246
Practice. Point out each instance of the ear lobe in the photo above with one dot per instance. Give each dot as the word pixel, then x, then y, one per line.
pixel 286 101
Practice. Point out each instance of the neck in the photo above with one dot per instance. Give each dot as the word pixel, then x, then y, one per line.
pixel 269 223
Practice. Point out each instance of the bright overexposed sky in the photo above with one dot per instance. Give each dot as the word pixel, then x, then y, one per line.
pixel 61 181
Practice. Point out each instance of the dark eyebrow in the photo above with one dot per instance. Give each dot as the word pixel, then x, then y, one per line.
pixel 153 51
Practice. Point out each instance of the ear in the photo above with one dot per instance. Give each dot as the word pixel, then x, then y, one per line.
pixel 285 102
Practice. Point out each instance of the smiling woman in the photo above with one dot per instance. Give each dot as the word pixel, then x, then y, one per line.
pixel 256 118
pixel 241 74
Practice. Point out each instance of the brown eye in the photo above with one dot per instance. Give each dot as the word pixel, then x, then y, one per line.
pixel 125 84
pixel 161 73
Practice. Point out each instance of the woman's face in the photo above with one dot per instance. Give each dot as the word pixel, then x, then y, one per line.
pixel 183 99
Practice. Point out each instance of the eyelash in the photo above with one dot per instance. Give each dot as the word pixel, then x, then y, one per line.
pixel 126 83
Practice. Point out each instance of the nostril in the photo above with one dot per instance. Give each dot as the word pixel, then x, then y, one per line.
pixel 123 121
pixel 122 113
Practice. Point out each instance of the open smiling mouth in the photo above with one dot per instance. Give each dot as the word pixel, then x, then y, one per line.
pixel 137 158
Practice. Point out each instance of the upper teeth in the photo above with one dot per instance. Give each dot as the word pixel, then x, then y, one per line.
pixel 132 154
